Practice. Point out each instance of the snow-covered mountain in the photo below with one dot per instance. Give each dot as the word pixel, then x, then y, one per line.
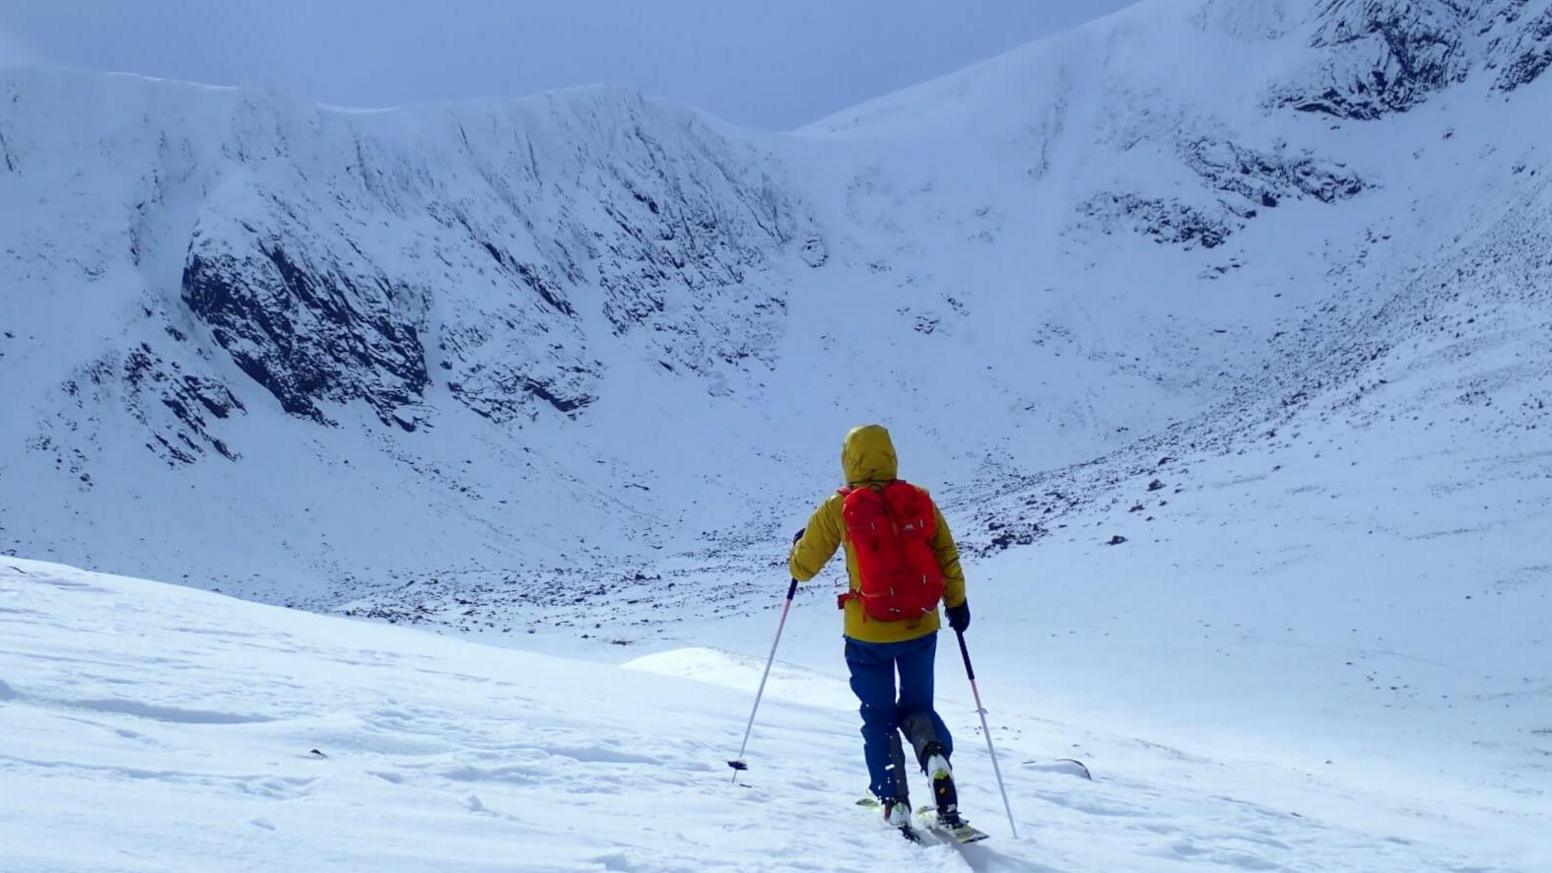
pixel 215 298
pixel 1257 291
pixel 301 350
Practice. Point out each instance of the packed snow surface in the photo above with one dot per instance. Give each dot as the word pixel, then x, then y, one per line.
pixel 151 727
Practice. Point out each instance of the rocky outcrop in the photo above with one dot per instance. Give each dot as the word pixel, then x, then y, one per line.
pixel 482 277
pixel 191 400
pixel 1379 57
pixel 1247 182
pixel 1164 220
pixel 1382 56
pixel 1263 179
pixel 1521 48
pixel 306 330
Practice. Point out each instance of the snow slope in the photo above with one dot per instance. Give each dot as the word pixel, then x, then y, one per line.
pixel 177 729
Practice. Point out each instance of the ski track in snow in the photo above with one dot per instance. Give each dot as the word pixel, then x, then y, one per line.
pixel 177 727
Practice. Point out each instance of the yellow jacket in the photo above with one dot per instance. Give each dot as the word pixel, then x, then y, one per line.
pixel 868 458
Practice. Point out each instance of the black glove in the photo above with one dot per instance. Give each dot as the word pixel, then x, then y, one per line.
pixel 799 535
pixel 959 616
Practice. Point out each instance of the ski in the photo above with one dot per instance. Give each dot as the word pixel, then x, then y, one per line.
pixel 927 817
pixel 961 832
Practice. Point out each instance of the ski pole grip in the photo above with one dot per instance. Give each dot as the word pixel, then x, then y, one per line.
pixel 965 652
pixel 792 589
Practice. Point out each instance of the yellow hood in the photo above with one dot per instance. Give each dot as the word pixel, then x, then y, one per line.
pixel 868 455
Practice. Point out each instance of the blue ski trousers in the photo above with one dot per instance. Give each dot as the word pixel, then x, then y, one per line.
pixel 885 717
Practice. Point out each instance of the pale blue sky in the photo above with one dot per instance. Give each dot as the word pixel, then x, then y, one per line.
pixel 771 64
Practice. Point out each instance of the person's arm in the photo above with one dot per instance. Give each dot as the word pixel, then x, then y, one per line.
pixel 948 560
pixel 817 544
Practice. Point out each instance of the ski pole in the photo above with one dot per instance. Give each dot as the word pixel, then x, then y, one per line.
pixel 981 710
pixel 738 763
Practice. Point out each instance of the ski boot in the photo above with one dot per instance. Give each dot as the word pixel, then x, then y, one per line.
pixel 897 814
pixel 944 794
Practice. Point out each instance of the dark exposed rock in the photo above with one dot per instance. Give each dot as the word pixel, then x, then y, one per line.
pixel 507 405
pixel 815 253
pixel 1384 56
pixel 1268 178
pixel 1166 221
pixel 307 332
pixel 328 292
pixel 1009 538
pixel 1522 56
pixel 531 277
pixel 191 400
pixel 1245 179
pixel 509 377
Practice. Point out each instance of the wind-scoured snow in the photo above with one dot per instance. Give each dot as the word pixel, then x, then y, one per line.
pixel 152 727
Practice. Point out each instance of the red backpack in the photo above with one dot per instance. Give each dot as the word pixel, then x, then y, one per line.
pixel 891 531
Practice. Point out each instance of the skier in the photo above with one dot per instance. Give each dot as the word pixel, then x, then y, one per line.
pixel 901 559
